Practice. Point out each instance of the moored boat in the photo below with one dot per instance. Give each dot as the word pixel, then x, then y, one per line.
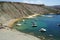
pixel 42 30
pixel 18 24
pixel 34 25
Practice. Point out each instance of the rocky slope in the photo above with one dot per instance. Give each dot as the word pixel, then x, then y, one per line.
pixel 12 10
pixel 56 7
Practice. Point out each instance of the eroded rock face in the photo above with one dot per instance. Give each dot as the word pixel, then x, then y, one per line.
pixel 12 10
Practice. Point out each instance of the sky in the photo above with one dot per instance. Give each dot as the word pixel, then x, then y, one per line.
pixel 46 2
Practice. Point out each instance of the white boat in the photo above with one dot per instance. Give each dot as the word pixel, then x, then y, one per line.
pixel 58 24
pixel 34 25
pixel 49 16
pixel 42 30
pixel 23 20
pixel 18 24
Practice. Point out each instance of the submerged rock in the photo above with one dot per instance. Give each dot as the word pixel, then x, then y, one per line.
pixel 50 35
pixel 42 38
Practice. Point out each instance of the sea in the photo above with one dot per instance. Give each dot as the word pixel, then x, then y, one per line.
pixel 49 22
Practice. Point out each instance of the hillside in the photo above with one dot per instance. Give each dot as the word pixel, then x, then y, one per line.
pixel 13 10
pixel 56 7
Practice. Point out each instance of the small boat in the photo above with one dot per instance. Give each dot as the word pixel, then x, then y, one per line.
pixel 58 24
pixel 42 30
pixel 49 16
pixel 23 20
pixel 34 25
pixel 18 24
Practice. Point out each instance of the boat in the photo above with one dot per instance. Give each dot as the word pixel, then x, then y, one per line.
pixel 42 30
pixel 23 20
pixel 18 24
pixel 58 24
pixel 49 16
pixel 34 25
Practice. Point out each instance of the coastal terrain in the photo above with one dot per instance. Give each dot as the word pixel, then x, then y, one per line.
pixel 12 12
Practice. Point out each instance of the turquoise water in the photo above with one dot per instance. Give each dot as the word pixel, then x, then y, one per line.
pixel 49 23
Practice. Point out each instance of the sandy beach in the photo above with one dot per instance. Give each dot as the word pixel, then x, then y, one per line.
pixel 12 21
pixel 15 35
pixel 32 16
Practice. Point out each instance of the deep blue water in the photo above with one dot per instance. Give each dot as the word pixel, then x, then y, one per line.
pixel 49 23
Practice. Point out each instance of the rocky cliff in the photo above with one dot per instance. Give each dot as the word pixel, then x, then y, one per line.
pixel 12 10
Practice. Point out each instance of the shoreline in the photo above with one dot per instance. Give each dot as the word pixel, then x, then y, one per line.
pixel 21 35
pixel 32 16
pixel 15 35
pixel 12 21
